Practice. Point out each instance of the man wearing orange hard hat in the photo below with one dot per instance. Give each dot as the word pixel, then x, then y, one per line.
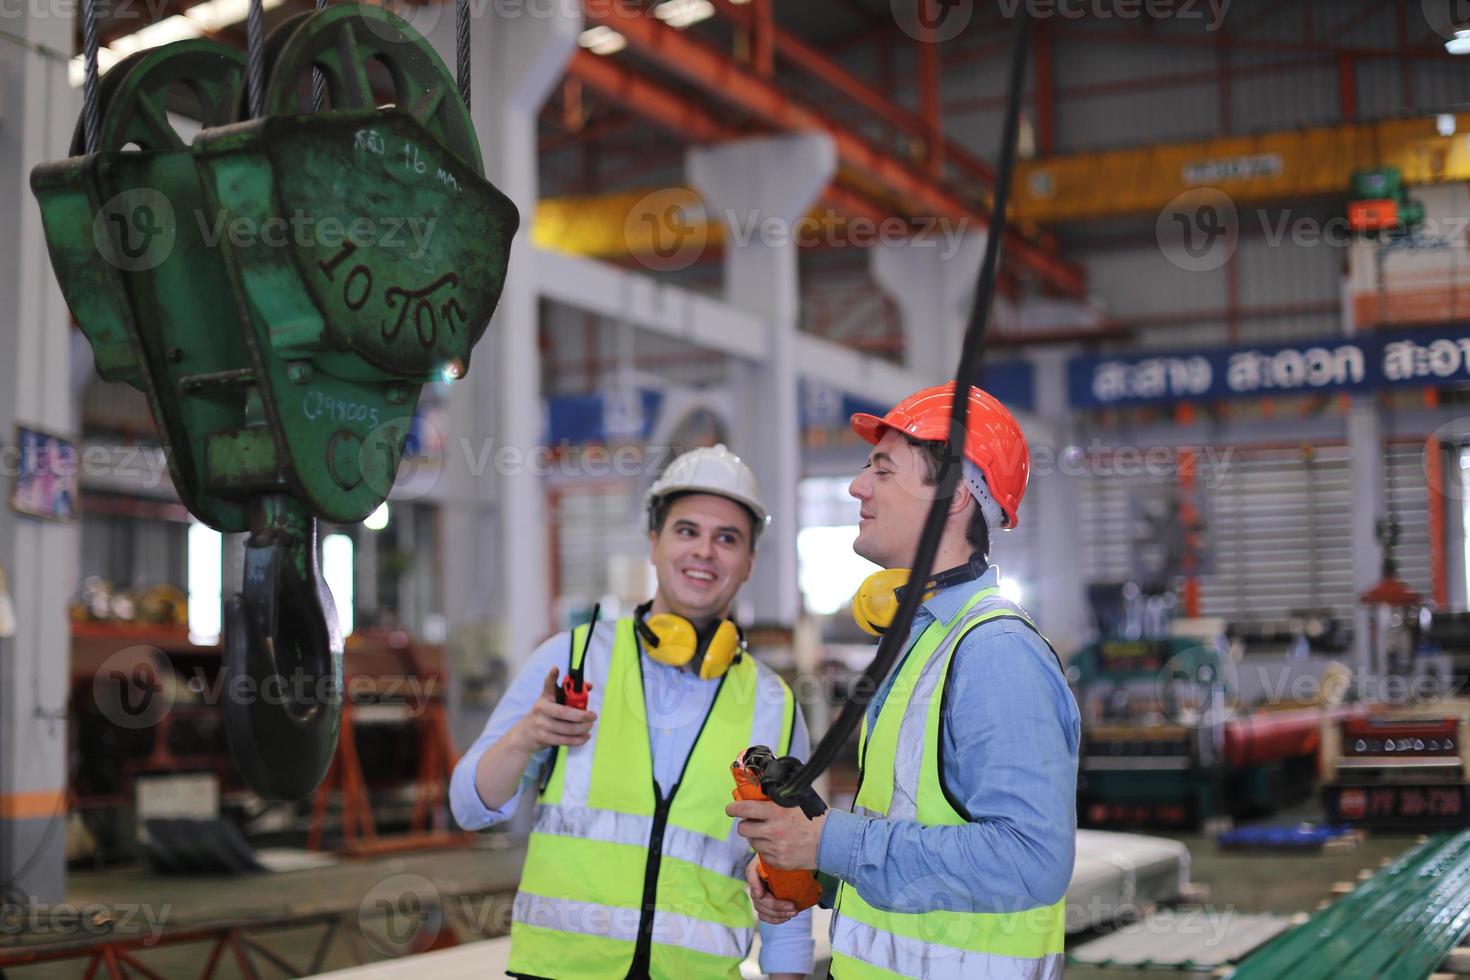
pixel 956 856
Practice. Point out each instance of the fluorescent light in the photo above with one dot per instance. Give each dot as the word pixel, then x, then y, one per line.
pixel 1460 43
pixel 160 32
pixel 215 15
pixel 1444 123
pixel 200 19
pixel 337 569
pixel 76 69
pixel 679 14
pixel 378 519
pixel 206 583
pixel 602 40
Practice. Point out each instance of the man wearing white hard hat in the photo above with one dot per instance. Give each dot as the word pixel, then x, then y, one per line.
pixel 633 868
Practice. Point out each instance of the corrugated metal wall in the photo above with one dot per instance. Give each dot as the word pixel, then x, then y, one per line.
pixel 1408 500
pixel 1278 526
pixel 593 525
pixel 1280 536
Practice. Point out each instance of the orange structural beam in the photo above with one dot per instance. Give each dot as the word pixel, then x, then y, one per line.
pixel 806 58
pixel 914 191
pixel 637 93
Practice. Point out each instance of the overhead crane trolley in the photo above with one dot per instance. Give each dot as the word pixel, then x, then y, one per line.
pixel 282 369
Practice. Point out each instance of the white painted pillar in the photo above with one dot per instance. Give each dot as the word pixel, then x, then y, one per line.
pixel 496 576
pixel 932 279
pixel 763 186
pixel 1053 501
pixel 41 558
pixel 1365 449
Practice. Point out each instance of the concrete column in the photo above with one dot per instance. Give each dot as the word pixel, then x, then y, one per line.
pixel 495 561
pixel 932 279
pixel 41 558
pixel 759 188
pixel 1053 501
pixel 1365 446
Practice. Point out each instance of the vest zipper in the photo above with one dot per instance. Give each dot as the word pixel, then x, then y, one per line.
pixel 643 949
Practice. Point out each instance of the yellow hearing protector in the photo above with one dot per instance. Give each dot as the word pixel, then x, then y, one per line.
pixel 877 600
pixel 673 640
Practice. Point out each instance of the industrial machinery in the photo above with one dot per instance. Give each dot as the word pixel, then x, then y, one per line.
pixel 1407 767
pixel 1166 738
pixel 258 287
pixel 1378 201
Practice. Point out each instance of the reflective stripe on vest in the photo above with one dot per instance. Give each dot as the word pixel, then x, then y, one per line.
pixel 868 942
pixel 582 895
pixel 669 929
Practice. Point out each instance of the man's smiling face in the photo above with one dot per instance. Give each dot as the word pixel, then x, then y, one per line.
pixel 895 501
pixel 703 554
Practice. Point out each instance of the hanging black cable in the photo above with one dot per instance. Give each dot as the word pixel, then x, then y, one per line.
pixel 318 80
pixel 971 359
pixel 462 48
pixel 255 57
pixel 89 79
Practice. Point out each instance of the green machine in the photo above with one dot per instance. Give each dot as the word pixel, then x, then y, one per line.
pixel 1151 741
pixel 280 289
pixel 1167 740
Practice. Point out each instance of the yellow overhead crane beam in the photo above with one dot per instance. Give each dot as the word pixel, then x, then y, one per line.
pixel 1251 169
pixel 624 223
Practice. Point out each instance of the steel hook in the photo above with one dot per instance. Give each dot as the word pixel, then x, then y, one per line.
pixel 282 656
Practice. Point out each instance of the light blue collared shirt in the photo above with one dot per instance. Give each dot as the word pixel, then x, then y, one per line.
pixel 1010 734
pixel 677 704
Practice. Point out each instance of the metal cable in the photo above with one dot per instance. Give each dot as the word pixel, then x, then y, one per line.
pixel 971 360
pixel 90 120
pixel 255 57
pixel 318 80
pixel 462 48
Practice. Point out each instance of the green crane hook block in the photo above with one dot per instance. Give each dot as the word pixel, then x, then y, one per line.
pixel 145 288
pixel 280 290
pixel 382 288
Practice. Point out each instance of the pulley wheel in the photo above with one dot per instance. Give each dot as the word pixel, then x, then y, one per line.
pixel 134 96
pixel 342 42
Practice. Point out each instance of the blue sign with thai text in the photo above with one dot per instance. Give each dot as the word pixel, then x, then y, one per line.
pixel 1343 363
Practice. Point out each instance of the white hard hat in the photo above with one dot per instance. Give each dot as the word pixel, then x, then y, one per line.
pixel 713 470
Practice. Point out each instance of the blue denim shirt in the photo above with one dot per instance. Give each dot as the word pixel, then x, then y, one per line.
pixel 1010 733
pixel 677 704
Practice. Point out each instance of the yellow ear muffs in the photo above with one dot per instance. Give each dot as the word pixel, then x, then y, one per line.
pixel 676 640
pixel 721 651
pixel 673 640
pixel 876 601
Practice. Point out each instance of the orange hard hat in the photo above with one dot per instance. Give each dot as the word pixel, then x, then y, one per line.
pixel 994 441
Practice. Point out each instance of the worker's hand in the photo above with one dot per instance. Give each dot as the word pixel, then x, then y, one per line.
pixel 768 908
pixel 549 723
pixel 784 836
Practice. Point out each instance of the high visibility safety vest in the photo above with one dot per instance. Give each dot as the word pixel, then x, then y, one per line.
pixel 624 878
pixel 900 780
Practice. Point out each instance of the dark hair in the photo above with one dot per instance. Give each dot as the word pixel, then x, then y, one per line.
pixel 658 512
pixel 935 455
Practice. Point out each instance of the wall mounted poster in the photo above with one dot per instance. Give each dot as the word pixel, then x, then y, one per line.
pixel 45 468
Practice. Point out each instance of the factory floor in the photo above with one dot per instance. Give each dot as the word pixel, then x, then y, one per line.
pixel 475 884
pixel 1239 882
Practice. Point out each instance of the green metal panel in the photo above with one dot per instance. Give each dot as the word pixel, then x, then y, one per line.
pixel 1399 924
